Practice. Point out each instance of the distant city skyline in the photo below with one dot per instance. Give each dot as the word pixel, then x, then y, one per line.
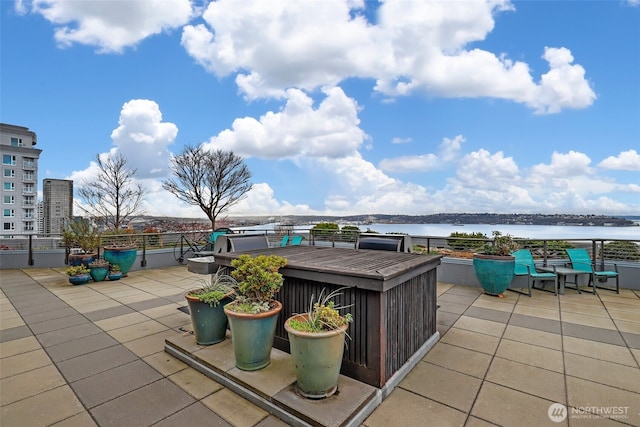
pixel 340 107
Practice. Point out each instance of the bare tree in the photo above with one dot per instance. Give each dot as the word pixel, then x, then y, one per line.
pixel 112 195
pixel 211 180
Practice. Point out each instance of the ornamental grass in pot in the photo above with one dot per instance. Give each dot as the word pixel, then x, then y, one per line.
pixel 494 265
pixel 317 340
pixel 206 307
pixel 254 312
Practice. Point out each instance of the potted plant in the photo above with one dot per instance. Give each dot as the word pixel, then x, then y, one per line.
pixel 317 346
pixel 98 269
pixel 254 312
pixel 120 248
pixel 78 274
pixel 114 272
pixel 494 265
pixel 81 233
pixel 206 305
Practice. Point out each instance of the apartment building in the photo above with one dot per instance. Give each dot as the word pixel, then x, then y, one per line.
pixel 19 181
pixel 57 205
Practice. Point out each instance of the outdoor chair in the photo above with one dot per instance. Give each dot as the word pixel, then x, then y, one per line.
pixel 525 266
pixel 580 260
pixel 296 240
pixel 285 240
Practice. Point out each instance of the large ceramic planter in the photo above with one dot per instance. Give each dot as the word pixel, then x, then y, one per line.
pixel 80 279
pixel 99 272
pixel 494 272
pixel 122 257
pixel 317 358
pixel 252 337
pixel 79 259
pixel 209 323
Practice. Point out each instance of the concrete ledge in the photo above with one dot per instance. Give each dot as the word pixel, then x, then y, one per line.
pixel 202 265
pixel 271 388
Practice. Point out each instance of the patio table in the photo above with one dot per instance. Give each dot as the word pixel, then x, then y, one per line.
pixel 392 297
pixel 562 273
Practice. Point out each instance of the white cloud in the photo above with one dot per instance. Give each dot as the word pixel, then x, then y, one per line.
pixel 413 46
pixel 112 26
pixel 141 130
pixel 448 151
pixel 626 160
pixel 398 140
pixel 331 130
pixel 563 165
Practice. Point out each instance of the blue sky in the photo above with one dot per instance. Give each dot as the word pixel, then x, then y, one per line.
pixel 340 106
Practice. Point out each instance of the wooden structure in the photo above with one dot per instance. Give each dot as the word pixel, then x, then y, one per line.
pixel 392 297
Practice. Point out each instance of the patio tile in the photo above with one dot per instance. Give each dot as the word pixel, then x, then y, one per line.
pixel 583 393
pixel 83 419
pixel 18 346
pixel 459 359
pixel 107 313
pixel 488 314
pixel 271 421
pixel 233 408
pixel 107 385
pixel 534 337
pixel 194 415
pixel 537 323
pixel 138 330
pixel 121 321
pixel 80 346
pixel 144 406
pixel 56 324
pixel 592 333
pixel 631 305
pixel 445 318
pixel 150 344
pixel 471 340
pixel 12 322
pixel 153 302
pixel 164 363
pixel 585 309
pixel 629 316
pixel 52 406
pixel 87 308
pixel 44 316
pixel 507 407
pixel 14 333
pixel 175 320
pixel 443 385
pixel 279 374
pixel 598 350
pixel 29 384
pixel 603 372
pixel 23 362
pixel 532 311
pixel 488 327
pixel 68 334
pixel 528 379
pixel 531 355
pixel 403 408
pixel 587 320
pixel 494 304
pixel 95 362
pixel 632 340
pixel 477 422
pixel 161 311
pixel 196 384
pixel 457 299
pixel 452 307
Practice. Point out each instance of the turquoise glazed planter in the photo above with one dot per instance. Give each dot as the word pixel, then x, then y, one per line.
pixel 252 337
pixel 79 259
pixel 80 279
pixel 494 273
pixel 317 358
pixel 209 323
pixel 116 275
pixel 123 258
pixel 98 274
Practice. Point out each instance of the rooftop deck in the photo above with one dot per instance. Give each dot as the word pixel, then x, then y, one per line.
pixel 94 355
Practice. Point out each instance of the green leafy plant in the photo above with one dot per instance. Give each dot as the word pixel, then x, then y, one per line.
pixel 323 315
pixel 258 282
pixel 77 270
pixel 114 268
pixel 80 232
pixel 214 290
pixel 501 245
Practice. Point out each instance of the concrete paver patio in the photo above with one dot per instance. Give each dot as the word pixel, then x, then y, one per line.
pixel 94 355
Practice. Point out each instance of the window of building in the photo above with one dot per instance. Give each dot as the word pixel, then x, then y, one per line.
pixel 28 162
pixel 9 186
pixel 16 142
pixel 28 213
pixel 9 173
pixel 28 176
pixel 8 226
pixel 8 213
pixel 8 159
pixel 28 201
pixel 28 226
pixel 28 188
pixel 8 200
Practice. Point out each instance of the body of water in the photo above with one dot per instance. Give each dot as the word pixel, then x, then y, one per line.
pixel 519 231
